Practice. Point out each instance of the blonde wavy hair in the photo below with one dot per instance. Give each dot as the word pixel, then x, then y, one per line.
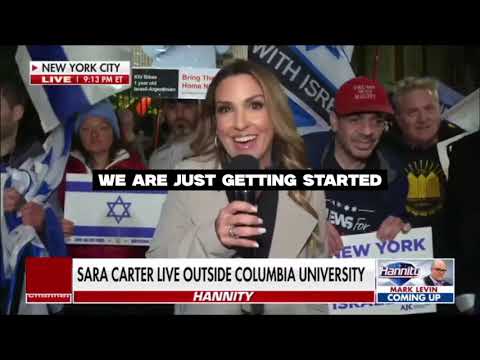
pixel 287 143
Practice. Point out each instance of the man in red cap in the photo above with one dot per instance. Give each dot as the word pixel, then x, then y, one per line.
pixel 358 121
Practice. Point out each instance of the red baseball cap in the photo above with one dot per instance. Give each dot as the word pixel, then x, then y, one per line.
pixel 360 95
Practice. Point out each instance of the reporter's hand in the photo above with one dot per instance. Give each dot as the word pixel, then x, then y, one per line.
pixel 12 200
pixel 390 228
pixel 68 227
pixel 33 214
pixel 235 223
pixel 335 243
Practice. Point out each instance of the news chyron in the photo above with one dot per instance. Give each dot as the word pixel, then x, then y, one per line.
pixel 425 281
pixel 112 73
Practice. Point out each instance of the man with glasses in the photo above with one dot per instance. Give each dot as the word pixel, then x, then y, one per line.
pixel 358 121
pixel 181 118
pixel 437 276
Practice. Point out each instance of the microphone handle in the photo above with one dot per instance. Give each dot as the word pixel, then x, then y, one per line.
pixel 250 197
pixel 246 195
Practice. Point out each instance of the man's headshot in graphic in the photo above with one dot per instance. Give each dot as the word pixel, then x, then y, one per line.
pixel 437 275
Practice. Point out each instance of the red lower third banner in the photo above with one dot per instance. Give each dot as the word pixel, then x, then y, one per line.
pixel 49 280
pixel 223 296
pixel 175 281
pixel 72 79
pixel 173 297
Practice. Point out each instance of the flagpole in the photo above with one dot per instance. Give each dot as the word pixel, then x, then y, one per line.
pixel 157 129
pixel 376 61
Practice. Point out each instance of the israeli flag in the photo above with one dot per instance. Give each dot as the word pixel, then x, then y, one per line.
pixel 57 107
pixel 115 217
pixel 466 113
pixel 38 177
pixel 448 97
pixel 310 75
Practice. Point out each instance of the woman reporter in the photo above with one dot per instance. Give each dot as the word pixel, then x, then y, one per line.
pixel 246 113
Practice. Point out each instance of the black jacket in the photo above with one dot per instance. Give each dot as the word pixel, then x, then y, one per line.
pixel 373 208
pixel 428 281
pixel 427 183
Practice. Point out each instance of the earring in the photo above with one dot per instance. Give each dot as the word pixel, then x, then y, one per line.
pixel 215 141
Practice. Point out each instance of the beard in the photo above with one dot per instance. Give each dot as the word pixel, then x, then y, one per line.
pixel 182 128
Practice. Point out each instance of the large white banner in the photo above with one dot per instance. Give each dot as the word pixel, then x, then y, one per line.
pixel 310 76
pixel 111 217
pixel 416 244
pixel 466 113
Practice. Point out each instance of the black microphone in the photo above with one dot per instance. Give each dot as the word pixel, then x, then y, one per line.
pixel 244 162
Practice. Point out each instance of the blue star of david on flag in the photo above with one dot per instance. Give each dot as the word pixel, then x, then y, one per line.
pixel 125 214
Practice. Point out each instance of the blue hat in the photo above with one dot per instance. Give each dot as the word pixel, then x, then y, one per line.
pixel 103 109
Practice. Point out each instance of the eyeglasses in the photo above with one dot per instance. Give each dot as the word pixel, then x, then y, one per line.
pixel 437 269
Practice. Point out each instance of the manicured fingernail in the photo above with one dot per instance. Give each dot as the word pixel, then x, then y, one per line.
pixel 260 221
pixel 255 245
pixel 262 230
pixel 255 208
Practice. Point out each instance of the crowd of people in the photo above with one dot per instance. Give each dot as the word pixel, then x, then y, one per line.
pixel 246 111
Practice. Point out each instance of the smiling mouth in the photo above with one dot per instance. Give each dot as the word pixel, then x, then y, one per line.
pixel 244 142
pixel 364 145
pixel 244 139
